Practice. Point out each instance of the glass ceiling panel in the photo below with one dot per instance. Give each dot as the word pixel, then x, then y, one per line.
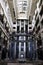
pixel 23 8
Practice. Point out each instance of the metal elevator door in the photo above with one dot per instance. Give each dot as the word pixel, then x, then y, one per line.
pixel 22 50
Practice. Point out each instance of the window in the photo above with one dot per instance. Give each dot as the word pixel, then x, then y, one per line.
pixel 22 12
pixel 22 29
pixel 14 22
pixel 37 21
pixel 13 27
pixel 17 28
pixel 30 22
pixel 24 8
pixel 1 18
pixel 25 3
pixel 26 28
pixel 22 49
pixel 22 20
pixel 30 27
pixel 17 22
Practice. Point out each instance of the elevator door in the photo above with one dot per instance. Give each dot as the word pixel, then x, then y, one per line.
pixel 22 50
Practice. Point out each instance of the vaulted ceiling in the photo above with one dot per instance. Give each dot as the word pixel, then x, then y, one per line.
pixel 30 10
pixel 16 5
pixel 11 6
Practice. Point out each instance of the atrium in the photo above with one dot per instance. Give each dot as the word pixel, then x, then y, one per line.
pixel 21 32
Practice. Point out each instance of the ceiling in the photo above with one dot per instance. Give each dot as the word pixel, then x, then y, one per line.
pixel 13 6
pixel 17 6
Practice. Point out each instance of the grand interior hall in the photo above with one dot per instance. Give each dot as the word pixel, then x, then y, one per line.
pixel 21 32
